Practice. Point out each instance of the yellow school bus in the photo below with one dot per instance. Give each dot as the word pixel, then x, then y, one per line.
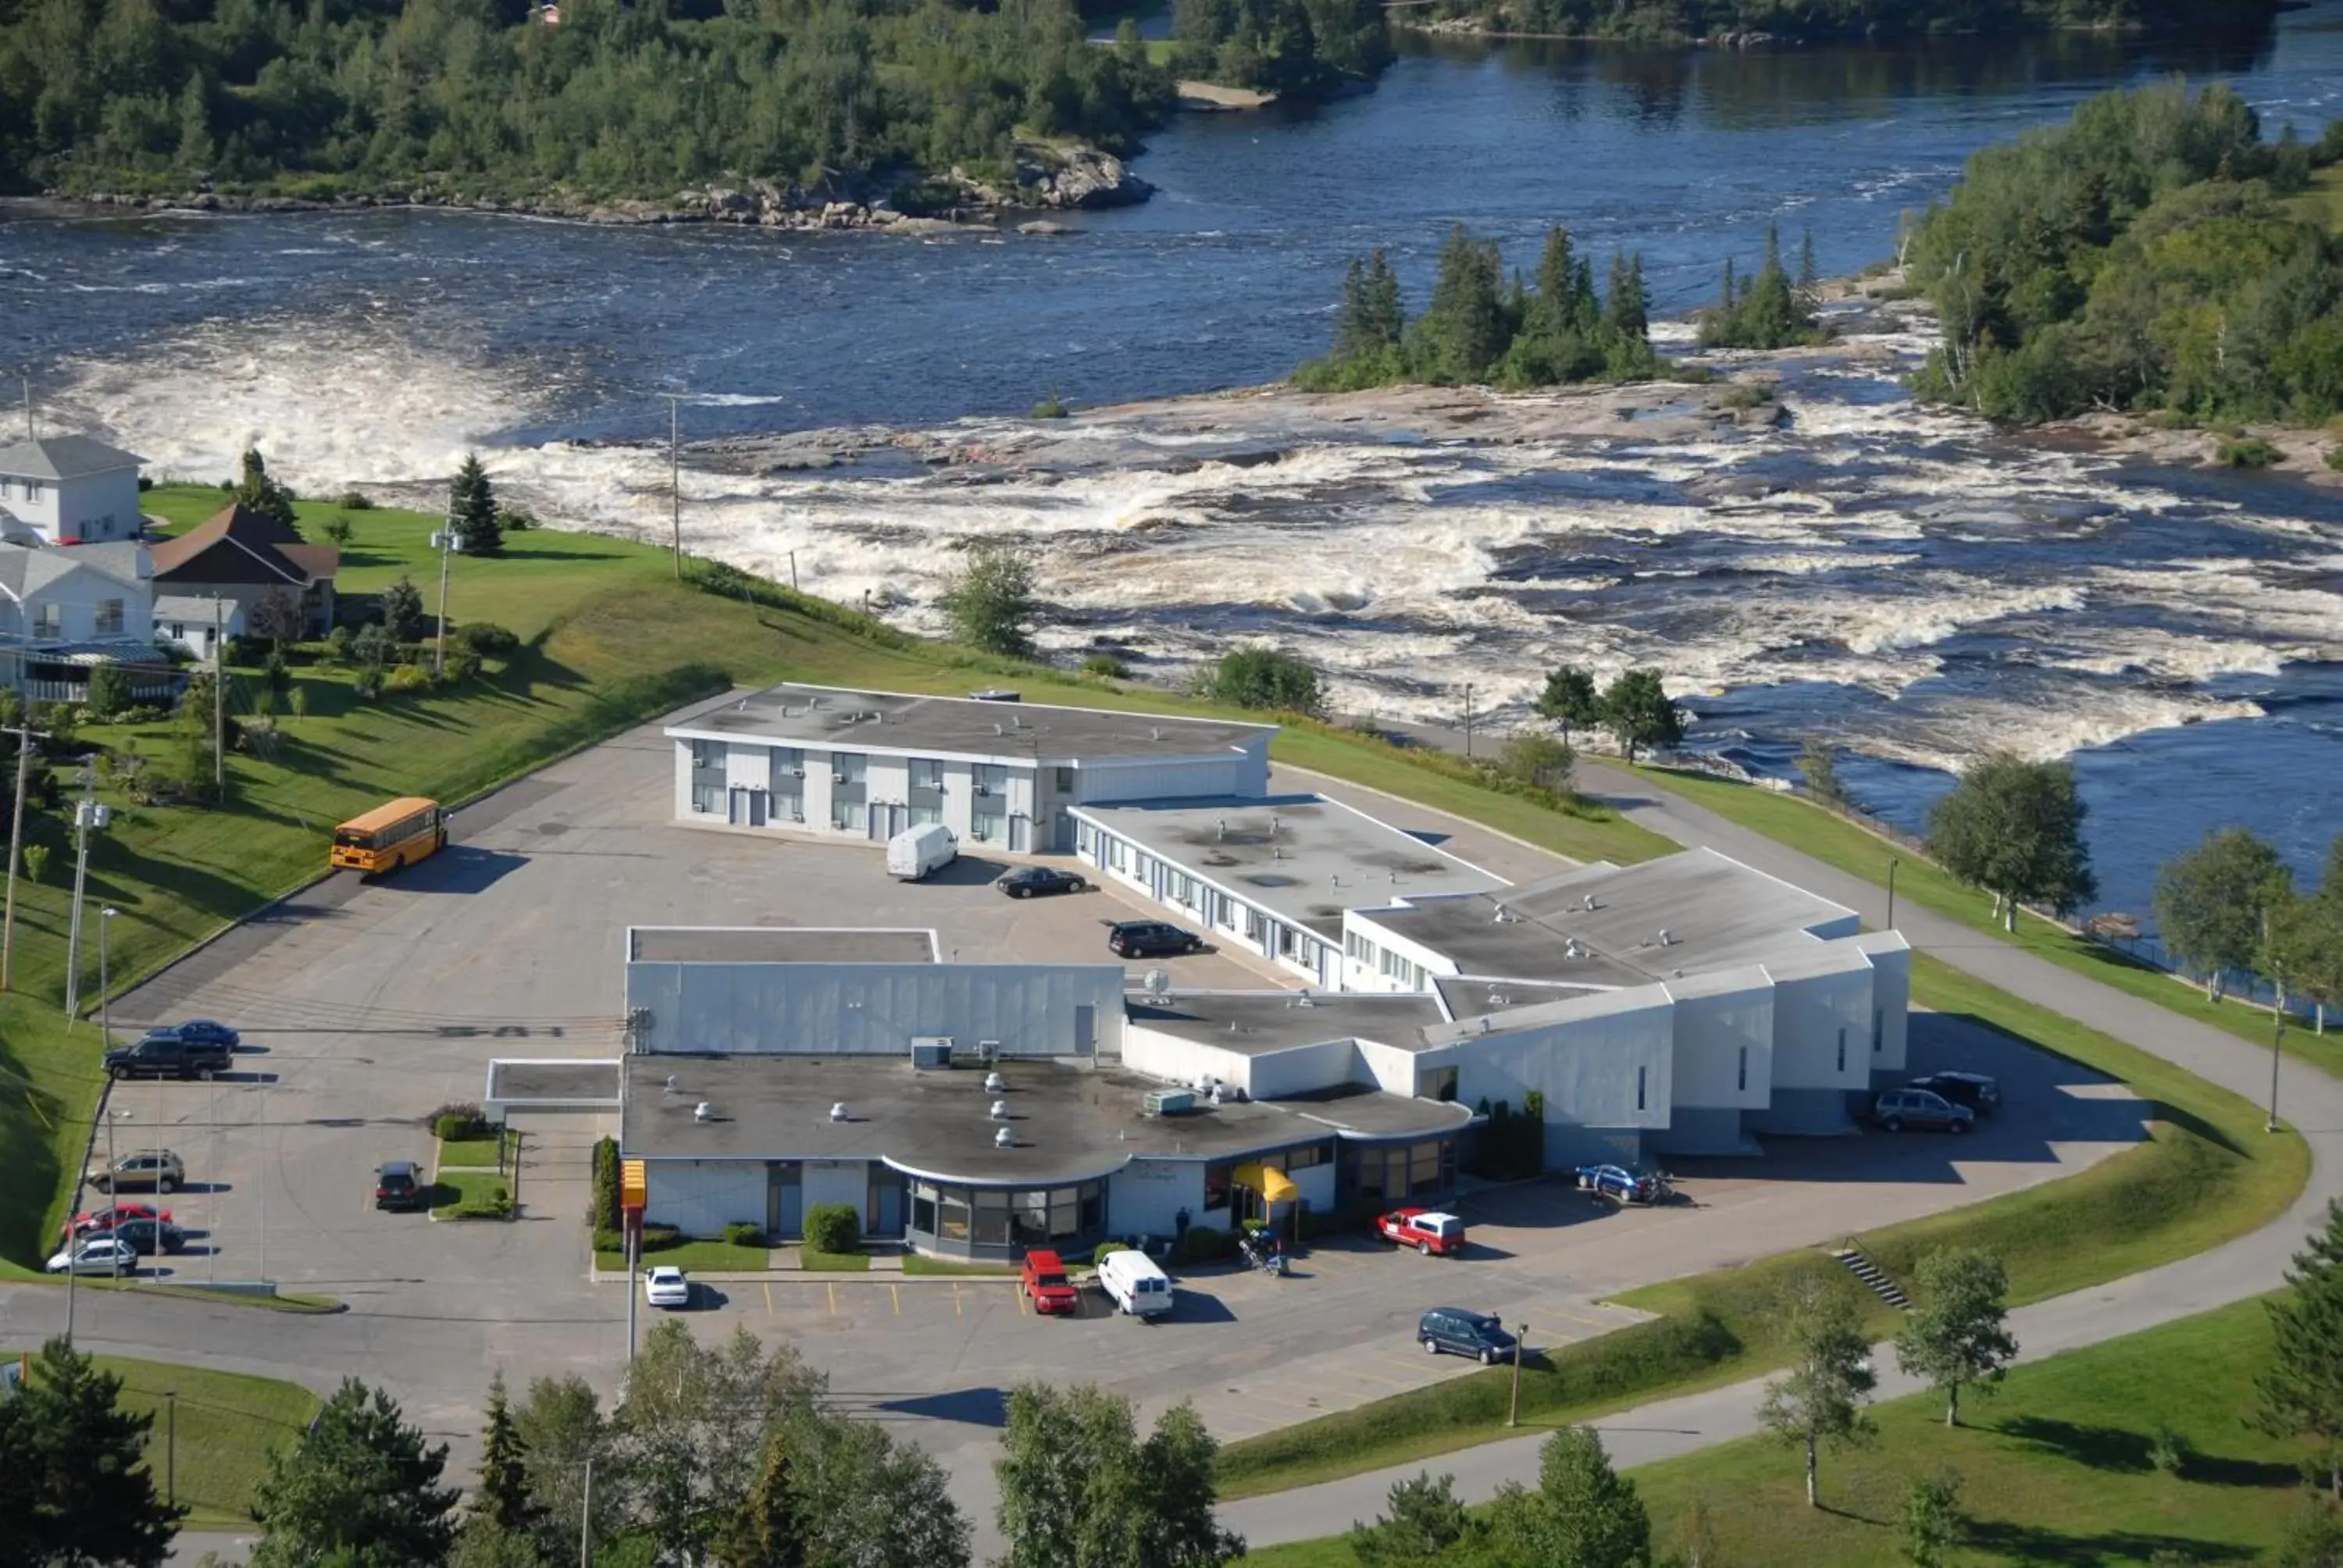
pixel 389 837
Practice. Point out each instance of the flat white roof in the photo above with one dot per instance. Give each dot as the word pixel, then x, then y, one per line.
pixel 838 719
pixel 779 945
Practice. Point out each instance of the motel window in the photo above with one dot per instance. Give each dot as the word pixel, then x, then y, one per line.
pixel 849 768
pixel 707 799
pixel 109 619
pixel 785 770
pixel 1065 780
pixel 1741 1078
pixel 927 773
pixel 708 755
pixel 991 1219
pixel 923 816
pixel 48 620
pixel 988 827
pixel 1086 840
pixel 1216 1185
pixel 1117 853
pixel 952 1220
pixel 1642 1074
pixel 923 1209
pixel 991 778
pixel 1842 1048
pixel 843 811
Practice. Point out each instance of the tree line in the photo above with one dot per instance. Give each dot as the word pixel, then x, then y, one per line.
pixel 1807 21
pixel 2143 256
pixel 2230 906
pixel 1285 46
pixel 481 95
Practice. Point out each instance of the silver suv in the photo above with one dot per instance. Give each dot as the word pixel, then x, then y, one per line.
pixel 140 1171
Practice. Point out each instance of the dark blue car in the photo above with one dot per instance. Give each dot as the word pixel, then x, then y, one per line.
pixel 1460 1332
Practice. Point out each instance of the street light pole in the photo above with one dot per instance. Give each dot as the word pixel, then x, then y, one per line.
pixel 171 1447
pixel 105 982
pixel 1892 863
pixel 1514 1407
pixel 1468 721
pixel 25 736
pixel 445 540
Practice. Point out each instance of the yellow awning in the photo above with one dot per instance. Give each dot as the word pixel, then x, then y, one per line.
pixel 634 1185
pixel 1274 1186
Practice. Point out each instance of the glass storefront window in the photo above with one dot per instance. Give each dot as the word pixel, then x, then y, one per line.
pixel 991 1219
pixel 1029 1219
pixel 953 1222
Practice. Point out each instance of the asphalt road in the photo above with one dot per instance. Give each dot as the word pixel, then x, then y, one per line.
pixel 2310 1100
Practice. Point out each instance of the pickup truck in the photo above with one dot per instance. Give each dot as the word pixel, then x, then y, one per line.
pixel 1428 1231
pixel 165 1053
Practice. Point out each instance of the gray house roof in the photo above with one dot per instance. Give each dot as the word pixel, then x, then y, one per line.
pixel 63 457
pixel 25 570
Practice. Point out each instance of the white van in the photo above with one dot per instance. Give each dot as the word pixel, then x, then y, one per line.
pixel 913 854
pixel 1133 1283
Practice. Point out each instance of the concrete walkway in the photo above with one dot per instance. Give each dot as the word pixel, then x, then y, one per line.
pixel 2249 1266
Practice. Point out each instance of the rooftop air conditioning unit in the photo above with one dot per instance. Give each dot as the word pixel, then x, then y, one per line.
pixel 999 1112
pixel 1167 1101
pixel 837 1112
pixel 931 1050
pixel 1667 938
pixel 1004 1139
pixel 703 1112
pixel 994 1083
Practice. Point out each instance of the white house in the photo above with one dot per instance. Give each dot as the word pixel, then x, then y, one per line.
pixel 65 610
pixel 68 489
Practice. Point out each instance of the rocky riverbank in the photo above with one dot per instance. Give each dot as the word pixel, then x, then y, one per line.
pixel 1046 178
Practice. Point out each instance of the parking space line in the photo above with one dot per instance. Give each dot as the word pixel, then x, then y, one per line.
pixel 895 1294
pixel 955 1298
pixel 1020 1301
pixel 831 1286
pixel 769 1298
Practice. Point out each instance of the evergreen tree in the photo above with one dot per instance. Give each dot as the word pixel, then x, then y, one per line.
pixel 2302 1391
pixel 257 491
pixel 402 611
pixel 769 1530
pixel 360 1484
pixel 1421 1522
pixel 1462 333
pixel 1569 698
pixel 1384 319
pixel 1808 278
pixel 74 1486
pixel 1959 1335
pixel 472 509
pixel 503 1496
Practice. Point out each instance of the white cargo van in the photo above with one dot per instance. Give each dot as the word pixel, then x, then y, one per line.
pixel 1133 1283
pixel 913 854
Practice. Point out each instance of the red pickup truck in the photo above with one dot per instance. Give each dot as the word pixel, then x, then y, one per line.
pixel 1428 1231
pixel 1045 1286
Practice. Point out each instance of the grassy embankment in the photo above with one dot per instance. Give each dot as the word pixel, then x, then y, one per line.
pixel 2208 1173
pixel 611 639
pixel 1810 829
pixel 228 1423
pixel 2055 1468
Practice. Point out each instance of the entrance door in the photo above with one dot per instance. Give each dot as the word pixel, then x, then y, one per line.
pixel 784 1200
pixel 1062 831
pixel 757 805
pixel 886 820
pixel 885 1214
pixel 1020 835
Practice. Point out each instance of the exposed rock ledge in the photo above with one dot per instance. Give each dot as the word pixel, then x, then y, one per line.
pixel 1049 178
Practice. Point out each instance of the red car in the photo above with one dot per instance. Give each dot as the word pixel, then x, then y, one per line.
pixel 1045 1284
pixel 98 1221
pixel 1428 1231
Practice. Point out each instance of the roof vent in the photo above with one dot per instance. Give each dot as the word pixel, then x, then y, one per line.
pixel 671 1084
pixel 999 1112
pixel 1500 915
pixel 1573 949
pixel 1154 733
pixel 1000 730
pixel 703 1112
pixel 1004 1139
pixel 1667 938
pixel 1220 827
pixel 1499 999
pixel 1589 904
pixel 838 1111
pixel 1276 851
pixel 1272 824
pixel 994 1083
pixel 1305 999
pixel 1486 1024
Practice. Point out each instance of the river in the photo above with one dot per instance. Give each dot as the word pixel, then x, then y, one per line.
pixel 1900 584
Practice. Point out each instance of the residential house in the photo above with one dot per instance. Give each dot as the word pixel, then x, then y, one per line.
pixel 68 489
pixel 216 575
pixel 65 610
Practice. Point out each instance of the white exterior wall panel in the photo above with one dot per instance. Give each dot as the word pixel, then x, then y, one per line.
pixel 1590 1068
pixel 1822 1029
pixel 1302 1068
pixel 1145 1197
pixel 846 1181
pixel 1891 1000
pixel 1724 1055
pixel 700 1197
pixel 1182 1061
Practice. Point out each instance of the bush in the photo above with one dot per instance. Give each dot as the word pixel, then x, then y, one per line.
pixel 109 690
pixel 2169 1449
pixel 1745 395
pixel 1100 1253
pixel 406 678
pixel 36 862
pixel 603 1212
pixel 741 1233
pixel 1109 667
pixel 1265 677
pixel 248 651
pixel 486 639
pixel 833 1228
pixel 2247 452
pixel 458 1120
pixel 367 681
pixel 337 645
pixel 354 501
pixel 1052 407
pixel 2335 458
pixel 1201 1244
pixel 515 519
pixel 496 1205
pixel 459 667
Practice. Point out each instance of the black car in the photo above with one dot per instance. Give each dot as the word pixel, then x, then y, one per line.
pixel 1458 1331
pixel 1977 1091
pixel 1145 939
pixel 1027 881
pixel 398 1184
pixel 164 1054
pixel 148 1236
pixel 203 1032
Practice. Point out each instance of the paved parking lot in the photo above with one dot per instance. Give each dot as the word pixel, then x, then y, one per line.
pixel 364 1007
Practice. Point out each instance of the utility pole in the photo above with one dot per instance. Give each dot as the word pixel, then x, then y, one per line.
pixel 1513 1406
pixel 1892 863
pixel 219 703
pixel 2278 1024
pixel 24 736
pixel 30 434
pixel 445 540
pixel 105 982
pixel 675 476
pixel 87 814
pixel 1468 721
pixel 586 1521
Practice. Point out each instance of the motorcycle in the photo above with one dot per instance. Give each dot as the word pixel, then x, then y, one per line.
pixel 1262 1253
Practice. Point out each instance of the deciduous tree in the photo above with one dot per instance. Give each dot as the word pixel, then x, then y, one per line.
pixel 1538 760
pixel 1080 1488
pixel 1569 698
pixel 1261 677
pixel 1822 1399
pixel 276 616
pixel 2212 901
pixel 2015 829
pixel 361 1484
pixel 1582 1512
pixel 1931 1523
pixel 991 599
pixel 1638 711
pixel 1959 1333
pixel 2302 1391
pixel 257 491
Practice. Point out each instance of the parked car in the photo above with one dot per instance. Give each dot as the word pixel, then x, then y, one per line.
pixel 1145 939
pixel 1977 1090
pixel 1026 882
pixel 203 1032
pixel 398 1184
pixel 98 1221
pixel 98 1255
pixel 163 1054
pixel 1045 1286
pixel 1622 1185
pixel 1901 1108
pixel 666 1286
pixel 1428 1231
pixel 141 1169
pixel 147 1237
pixel 1460 1331
pixel 1135 1284
pixel 914 852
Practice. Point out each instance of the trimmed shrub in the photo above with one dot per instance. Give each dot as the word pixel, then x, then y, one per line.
pixel 459 1118
pixel 1107 666
pixel 603 1210
pixel 488 639
pixel 496 1205
pixel 833 1228
pixel 406 678
pixel 1099 1254
pixel 1201 1244
pixel 741 1233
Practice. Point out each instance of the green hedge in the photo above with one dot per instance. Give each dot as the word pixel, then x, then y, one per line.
pixel 833 1228
pixel 603 1203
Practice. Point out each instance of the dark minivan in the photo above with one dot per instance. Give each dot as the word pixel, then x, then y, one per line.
pixel 398 1184
pixel 1977 1090
pixel 1146 938
pixel 1460 1332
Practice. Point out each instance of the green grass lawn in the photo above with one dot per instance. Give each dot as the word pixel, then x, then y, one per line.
pixel 815 1259
pixel 226 1425
pixel 2054 1467
pixel 470 1196
pixel 705 1257
pixel 476 1153
pixel 1809 828
pixel 49 1085
pixel 2209 1172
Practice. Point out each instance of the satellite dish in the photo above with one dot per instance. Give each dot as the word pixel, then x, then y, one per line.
pixel 1158 981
